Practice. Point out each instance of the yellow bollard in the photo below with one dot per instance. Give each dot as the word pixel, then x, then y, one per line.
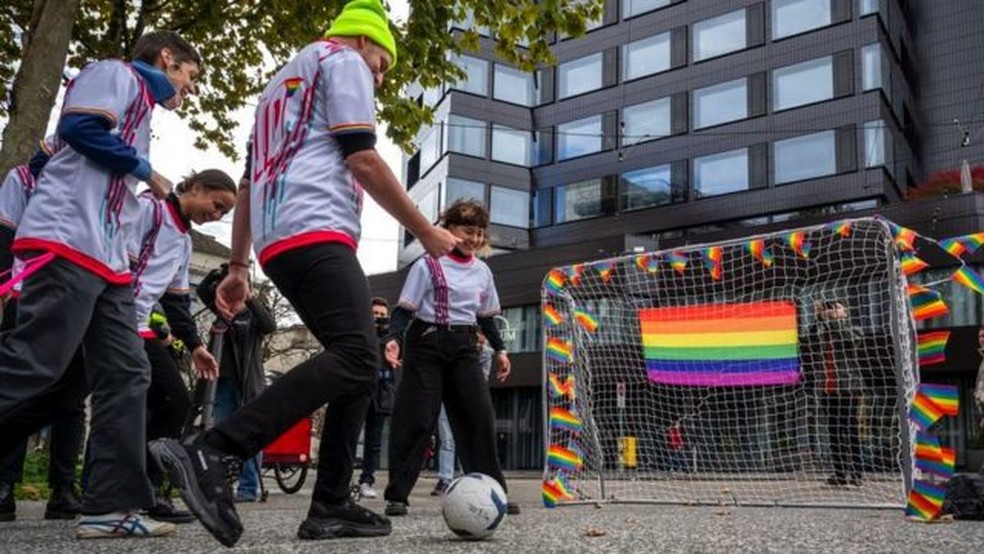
pixel 627 452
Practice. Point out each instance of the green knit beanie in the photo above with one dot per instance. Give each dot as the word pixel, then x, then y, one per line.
pixel 364 18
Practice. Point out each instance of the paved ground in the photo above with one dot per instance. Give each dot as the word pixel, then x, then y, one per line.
pixel 271 528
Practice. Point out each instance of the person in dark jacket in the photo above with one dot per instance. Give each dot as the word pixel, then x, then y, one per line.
pixel 241 375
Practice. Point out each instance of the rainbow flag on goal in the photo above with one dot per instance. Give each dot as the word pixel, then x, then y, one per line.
pixel 721 345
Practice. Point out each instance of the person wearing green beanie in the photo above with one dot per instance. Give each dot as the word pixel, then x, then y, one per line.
pixel 365 18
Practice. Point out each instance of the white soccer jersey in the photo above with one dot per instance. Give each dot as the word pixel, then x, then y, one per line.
pixel 450 290
pixel 302 192
pixel 17 188
pixel 160 249
pixel 80 211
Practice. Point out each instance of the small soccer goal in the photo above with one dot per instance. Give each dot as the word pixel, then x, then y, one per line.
pixel 771 370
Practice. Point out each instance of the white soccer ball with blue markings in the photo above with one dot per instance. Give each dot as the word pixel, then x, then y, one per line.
pixel 474 506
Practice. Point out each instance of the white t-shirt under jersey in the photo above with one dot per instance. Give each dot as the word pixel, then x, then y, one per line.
pixel 80 211
pixel 301 190
pixel 450 290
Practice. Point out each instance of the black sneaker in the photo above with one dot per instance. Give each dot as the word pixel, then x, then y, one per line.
pixel 8 508
pixel 199 472
pixel 396 508
pixel 440 488
pixel 164 510
pixel 63 504
pixel 512 508
pixel 345 519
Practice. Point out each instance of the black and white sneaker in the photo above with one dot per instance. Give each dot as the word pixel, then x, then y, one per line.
pixel 345 519
pixel 199 473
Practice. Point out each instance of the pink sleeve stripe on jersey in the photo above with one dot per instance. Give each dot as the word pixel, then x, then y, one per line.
pixel 342 128
pixel 94 111
pixel 305 239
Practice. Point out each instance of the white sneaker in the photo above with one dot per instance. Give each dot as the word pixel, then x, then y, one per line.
pixel 365 490
pixel 121 525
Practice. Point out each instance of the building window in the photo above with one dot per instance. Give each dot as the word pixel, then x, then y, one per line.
pixel 805 157
pixel 875 145
pixel 646 56
pixel 510 207
pixel 525 321
pixel 720 35
pixel 458 189
pixel 514 85
pixel 511 145
pixel 543 207
pixel 803 83
pixel 791 17
pixel 579 76
pixel 577 201
pixel 721 173
pixel 465 135
pixel 871 67
pixel 632 8
pixel 433 95
pixel 428 204
pixel 867 7
pixel 652 186
pixel 589 25
pixel 721 103
pixel 476 77
pixel 430 150
pixel 579 138
pixel 646 121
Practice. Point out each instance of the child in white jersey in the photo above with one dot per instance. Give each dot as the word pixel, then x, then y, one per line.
pixel 160 253
pixel 449 299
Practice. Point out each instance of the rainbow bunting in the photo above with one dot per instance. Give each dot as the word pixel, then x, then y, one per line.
pixel 928 447
pixel 946 397
pixel 564 419
pixel 904 238
pixel 911 264
pixel 715 345
pixel 587 321
pixel 954 246
pixel 924 412
pixel 713 257
pixel 842 228
pixel 292 84
pixel 574 274
pixel 561 387
pixel 564 458
pixel 925 500
pixel 678 261
pixel 970 279
pixel 797 241
pixel 932 347
pixel 926 304
pixel 556 490
pixel 555 281
pixel 559 350
pixel 973 242
pixel 914 289
pixel 552 315
pixel 604 270
pixel 647 262
pixel 942 467
pixel 758 251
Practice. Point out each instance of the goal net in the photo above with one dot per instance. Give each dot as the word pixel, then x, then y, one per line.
pixel 771 370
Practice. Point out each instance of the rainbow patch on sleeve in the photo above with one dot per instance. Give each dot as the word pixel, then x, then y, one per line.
pixel 932 347
pixel 721 345
pixel 292 84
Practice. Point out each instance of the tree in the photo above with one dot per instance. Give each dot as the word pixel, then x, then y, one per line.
pixel 242 41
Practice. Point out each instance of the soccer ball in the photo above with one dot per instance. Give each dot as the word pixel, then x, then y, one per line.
pixel 474 506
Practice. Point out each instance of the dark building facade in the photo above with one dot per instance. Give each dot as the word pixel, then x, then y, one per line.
pixel 673 122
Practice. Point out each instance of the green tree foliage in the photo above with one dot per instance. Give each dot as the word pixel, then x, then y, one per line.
pixel 243 41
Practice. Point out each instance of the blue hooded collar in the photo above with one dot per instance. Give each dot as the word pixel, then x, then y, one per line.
pixel 156 80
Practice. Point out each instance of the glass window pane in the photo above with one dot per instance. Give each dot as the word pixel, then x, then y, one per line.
pixel 803 83
pixel 646 121
pixel 721 173
pixel 719 35
pixel 579 76
pixel 433 95
pixel 790 17
pixel 646 56
pixel 510 207
pixel 635 7
pixel 428 204
pixel 465 135
pixel 430 150
pixel 577 201
pixel 511 145
pixel 578 138
pixel 805 157
pixel 543 207
pixel 721 103
pixel 476 75
pixel 513 85
pixel 868 6
pixel 457 189
pixel 871 67
pixel 874 143
pixel 652 186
